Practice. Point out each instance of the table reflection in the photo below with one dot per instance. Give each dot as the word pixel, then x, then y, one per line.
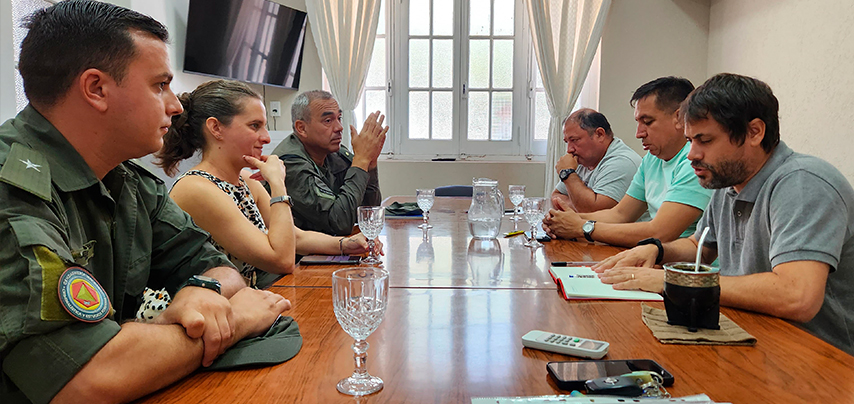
pixel 448 258
pixel 425 253
pixel 457 338
pixel 486 261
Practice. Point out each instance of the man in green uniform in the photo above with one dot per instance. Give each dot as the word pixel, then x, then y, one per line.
pixel 85 230
pixel 325 180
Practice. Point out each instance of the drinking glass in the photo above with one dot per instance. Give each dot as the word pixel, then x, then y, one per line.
pixel 425 197
pixel 517 194
pixel 535 211
pixel 371 223
pixel 359 299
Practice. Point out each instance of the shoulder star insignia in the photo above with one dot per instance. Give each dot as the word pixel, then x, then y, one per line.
pixel 31 164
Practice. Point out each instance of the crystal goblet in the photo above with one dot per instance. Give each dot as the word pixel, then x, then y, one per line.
pixel 517 195
pixel 535 211
pixel 371 224
pixel 424 198
pixel 359 300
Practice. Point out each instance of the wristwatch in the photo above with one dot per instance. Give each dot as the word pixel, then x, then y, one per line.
pixel 588 228
pixel 565 173
pixel 657 242
pixel 203 282
pixel 284 198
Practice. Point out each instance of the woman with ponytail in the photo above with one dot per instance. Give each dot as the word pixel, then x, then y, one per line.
pixel 226 121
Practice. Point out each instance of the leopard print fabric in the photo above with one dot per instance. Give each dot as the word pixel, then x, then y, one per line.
pixel 244 201
pixel 153 303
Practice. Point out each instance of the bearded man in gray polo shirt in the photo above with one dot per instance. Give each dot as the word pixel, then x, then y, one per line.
pixel 780 222
pixel 597 168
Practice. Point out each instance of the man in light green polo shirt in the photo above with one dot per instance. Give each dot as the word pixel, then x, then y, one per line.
pixel 664 185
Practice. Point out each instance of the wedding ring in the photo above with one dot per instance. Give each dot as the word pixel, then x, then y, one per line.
pixel 633 276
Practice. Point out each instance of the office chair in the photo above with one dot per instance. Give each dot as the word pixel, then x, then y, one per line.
pixel 454 190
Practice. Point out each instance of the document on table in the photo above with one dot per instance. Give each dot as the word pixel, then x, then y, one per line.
pixel 583 283
pixel 697 399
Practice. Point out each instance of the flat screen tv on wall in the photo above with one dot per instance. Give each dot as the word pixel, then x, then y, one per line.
pixel 255 41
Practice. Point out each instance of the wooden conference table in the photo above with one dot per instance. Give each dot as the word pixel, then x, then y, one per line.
pixel 456 314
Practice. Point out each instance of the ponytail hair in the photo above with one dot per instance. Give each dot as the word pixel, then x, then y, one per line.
pixel 220 99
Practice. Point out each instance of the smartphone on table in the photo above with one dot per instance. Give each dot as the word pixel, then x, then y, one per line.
pixel 540 234
pixel 571 375
pixel 330 259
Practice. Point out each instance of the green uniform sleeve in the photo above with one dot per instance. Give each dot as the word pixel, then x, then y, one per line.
pixel 315 205
pixel 41 348
pixel 180 249
pixel 61 354
pixel 373 197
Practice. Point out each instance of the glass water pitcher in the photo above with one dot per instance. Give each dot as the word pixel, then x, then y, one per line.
pixel 486 210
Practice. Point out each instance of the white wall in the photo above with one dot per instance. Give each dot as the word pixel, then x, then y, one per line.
pixel 7 68
pixel 804 50
pixel 403 177
pixel 644 40
pixel 173 14
pixel 7 62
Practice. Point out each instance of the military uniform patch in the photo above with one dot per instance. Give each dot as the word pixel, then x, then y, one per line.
pixel 322 190
pixel 27 169
pixel 82 296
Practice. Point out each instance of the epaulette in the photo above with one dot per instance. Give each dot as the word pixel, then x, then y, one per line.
pixel 292 156
pixel 27 169
pixel 144 169
pixel 346 154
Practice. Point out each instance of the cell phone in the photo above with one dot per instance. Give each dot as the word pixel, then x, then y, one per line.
pixel 330 259
pixel 541 236
pixel 571 375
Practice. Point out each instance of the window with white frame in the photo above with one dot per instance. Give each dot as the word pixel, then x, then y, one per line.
pixel 376 83
pixel 459 87
pixel 457 78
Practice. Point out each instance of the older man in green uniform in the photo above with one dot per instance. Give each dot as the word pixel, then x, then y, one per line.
pixel 85 230
pixel 325 180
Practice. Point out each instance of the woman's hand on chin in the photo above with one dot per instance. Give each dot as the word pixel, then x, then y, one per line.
pixel 269 167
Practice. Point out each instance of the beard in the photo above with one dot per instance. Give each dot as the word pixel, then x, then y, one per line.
pixel 724 174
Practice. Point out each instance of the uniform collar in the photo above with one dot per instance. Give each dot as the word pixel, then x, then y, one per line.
pixel 300 147
pixel 779 155
pixel 334 162
pixel 68 170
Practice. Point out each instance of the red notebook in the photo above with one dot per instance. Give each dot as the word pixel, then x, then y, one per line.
pixel 582 283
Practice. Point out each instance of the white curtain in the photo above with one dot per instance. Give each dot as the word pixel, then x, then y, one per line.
pixel 344 32
pixel 565 34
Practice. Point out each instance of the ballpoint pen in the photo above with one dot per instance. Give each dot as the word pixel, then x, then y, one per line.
pixel 514 233
pixel 573 263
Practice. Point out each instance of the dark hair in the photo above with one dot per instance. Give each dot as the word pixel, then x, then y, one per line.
pixel 590 120
pixel 733 101
pixel 221 99
pixel 668 91
pixel 74 35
